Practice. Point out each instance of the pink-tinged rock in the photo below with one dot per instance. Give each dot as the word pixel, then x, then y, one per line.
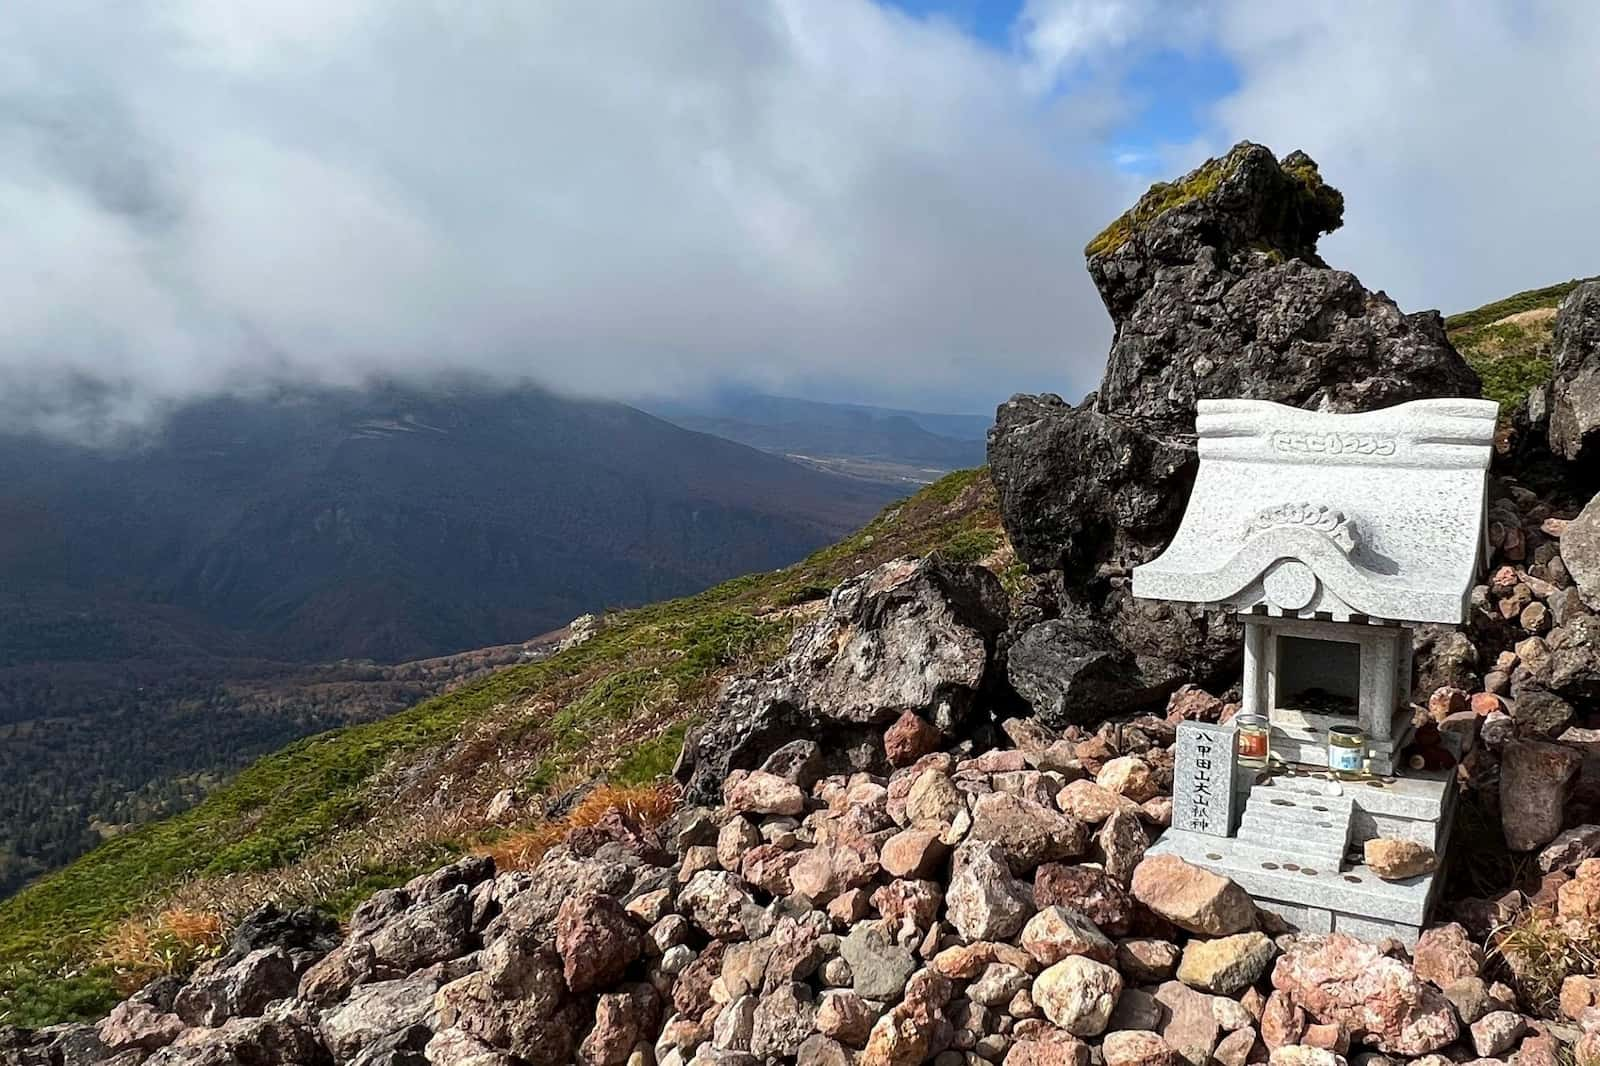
pixel 1158 811
pixel 1029 833
pixel 1343 981
pixel 824 871
pixel 737 836
pixel 984 901
pixel 1091 803
pixel 1191 703
pixel 1445 954
pixel 767 867
pixel 1193 898
pixel 621 1020
pixel 759 792
pixel 913 853
pixel 1282 1021
pixel 1569 849
pixel 596 939
pixel 1578 994
pixel 1078 994
pixel 1496 1032
pixel 850 906
pixel 132 1025
pixel 908 904
pixel 1326 1035
pixel 1483 704
pixel 1147 961
pixel 996 761
pixel 1133 1047
pixel 1190 1026
pixel 1053 1047
pixel 1088 890
pixel 1058 932
pixel 1579 899
pixel 1120 845
pixel 909 739
pixel 1535 780
pixel 845 1017
pixel 1236 1048
pixel 1130 776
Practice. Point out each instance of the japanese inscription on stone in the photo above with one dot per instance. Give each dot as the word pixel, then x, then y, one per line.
pixel 1202 779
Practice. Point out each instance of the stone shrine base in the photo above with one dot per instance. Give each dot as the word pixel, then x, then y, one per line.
pixel 1314 895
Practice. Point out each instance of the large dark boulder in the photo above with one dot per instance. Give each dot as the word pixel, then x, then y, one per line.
pixel 1216 291
pixel 1575 390
pixel 913 634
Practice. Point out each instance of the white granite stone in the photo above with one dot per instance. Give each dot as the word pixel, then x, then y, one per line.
pixel 1204 770
pixel 1375 515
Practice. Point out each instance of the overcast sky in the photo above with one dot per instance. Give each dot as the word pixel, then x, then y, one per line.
pixel 837 198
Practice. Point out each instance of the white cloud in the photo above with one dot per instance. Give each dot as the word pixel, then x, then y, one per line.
pixel 1466 140
pixel 612 198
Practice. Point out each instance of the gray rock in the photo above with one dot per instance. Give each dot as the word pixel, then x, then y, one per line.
pixel 783 1020
pixel 879 968
pixel 1575 387
pixel 913 634
pixel 221 990
pixel 1580 552
pixel 376 1011
pixel 984 902
pixel 431 931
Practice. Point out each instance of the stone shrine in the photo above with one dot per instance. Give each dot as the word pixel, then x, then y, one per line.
pixel 1330 536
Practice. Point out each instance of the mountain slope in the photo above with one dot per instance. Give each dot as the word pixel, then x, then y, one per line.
pixel 333 816
pixel 394 524
pixel 1508 341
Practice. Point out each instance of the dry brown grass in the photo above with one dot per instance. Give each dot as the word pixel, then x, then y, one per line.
pixel 642 806
pixel 523 848
pixel 1541 951
pixel 170 941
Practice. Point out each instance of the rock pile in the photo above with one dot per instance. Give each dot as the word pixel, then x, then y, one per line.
pixel 964 908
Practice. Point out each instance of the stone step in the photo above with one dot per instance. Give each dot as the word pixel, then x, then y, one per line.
pixel 1295 820
pixel 1263 873
pixel 1321 855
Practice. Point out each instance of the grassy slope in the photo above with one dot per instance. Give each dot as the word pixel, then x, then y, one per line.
pixel 334 816
pixel 1509 348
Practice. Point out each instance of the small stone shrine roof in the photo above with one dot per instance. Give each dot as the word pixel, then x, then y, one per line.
pixel 1377 516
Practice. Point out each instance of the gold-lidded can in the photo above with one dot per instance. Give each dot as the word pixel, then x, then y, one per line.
pixel 1347 751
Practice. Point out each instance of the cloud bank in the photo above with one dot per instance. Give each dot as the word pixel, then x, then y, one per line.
pixel 606 198
pixel 629 199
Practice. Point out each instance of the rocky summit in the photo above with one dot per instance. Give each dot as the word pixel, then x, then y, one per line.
pixel 920 834
pixel 1216 291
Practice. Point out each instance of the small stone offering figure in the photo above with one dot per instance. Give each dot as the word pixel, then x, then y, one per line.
pixel 1355 529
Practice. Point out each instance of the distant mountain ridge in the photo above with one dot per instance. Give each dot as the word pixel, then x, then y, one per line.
pixel 872 443
pixel 394 523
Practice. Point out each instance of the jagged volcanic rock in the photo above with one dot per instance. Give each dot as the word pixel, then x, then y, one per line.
pixel 914 634
pixel 1216 290
pixel 1575 391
